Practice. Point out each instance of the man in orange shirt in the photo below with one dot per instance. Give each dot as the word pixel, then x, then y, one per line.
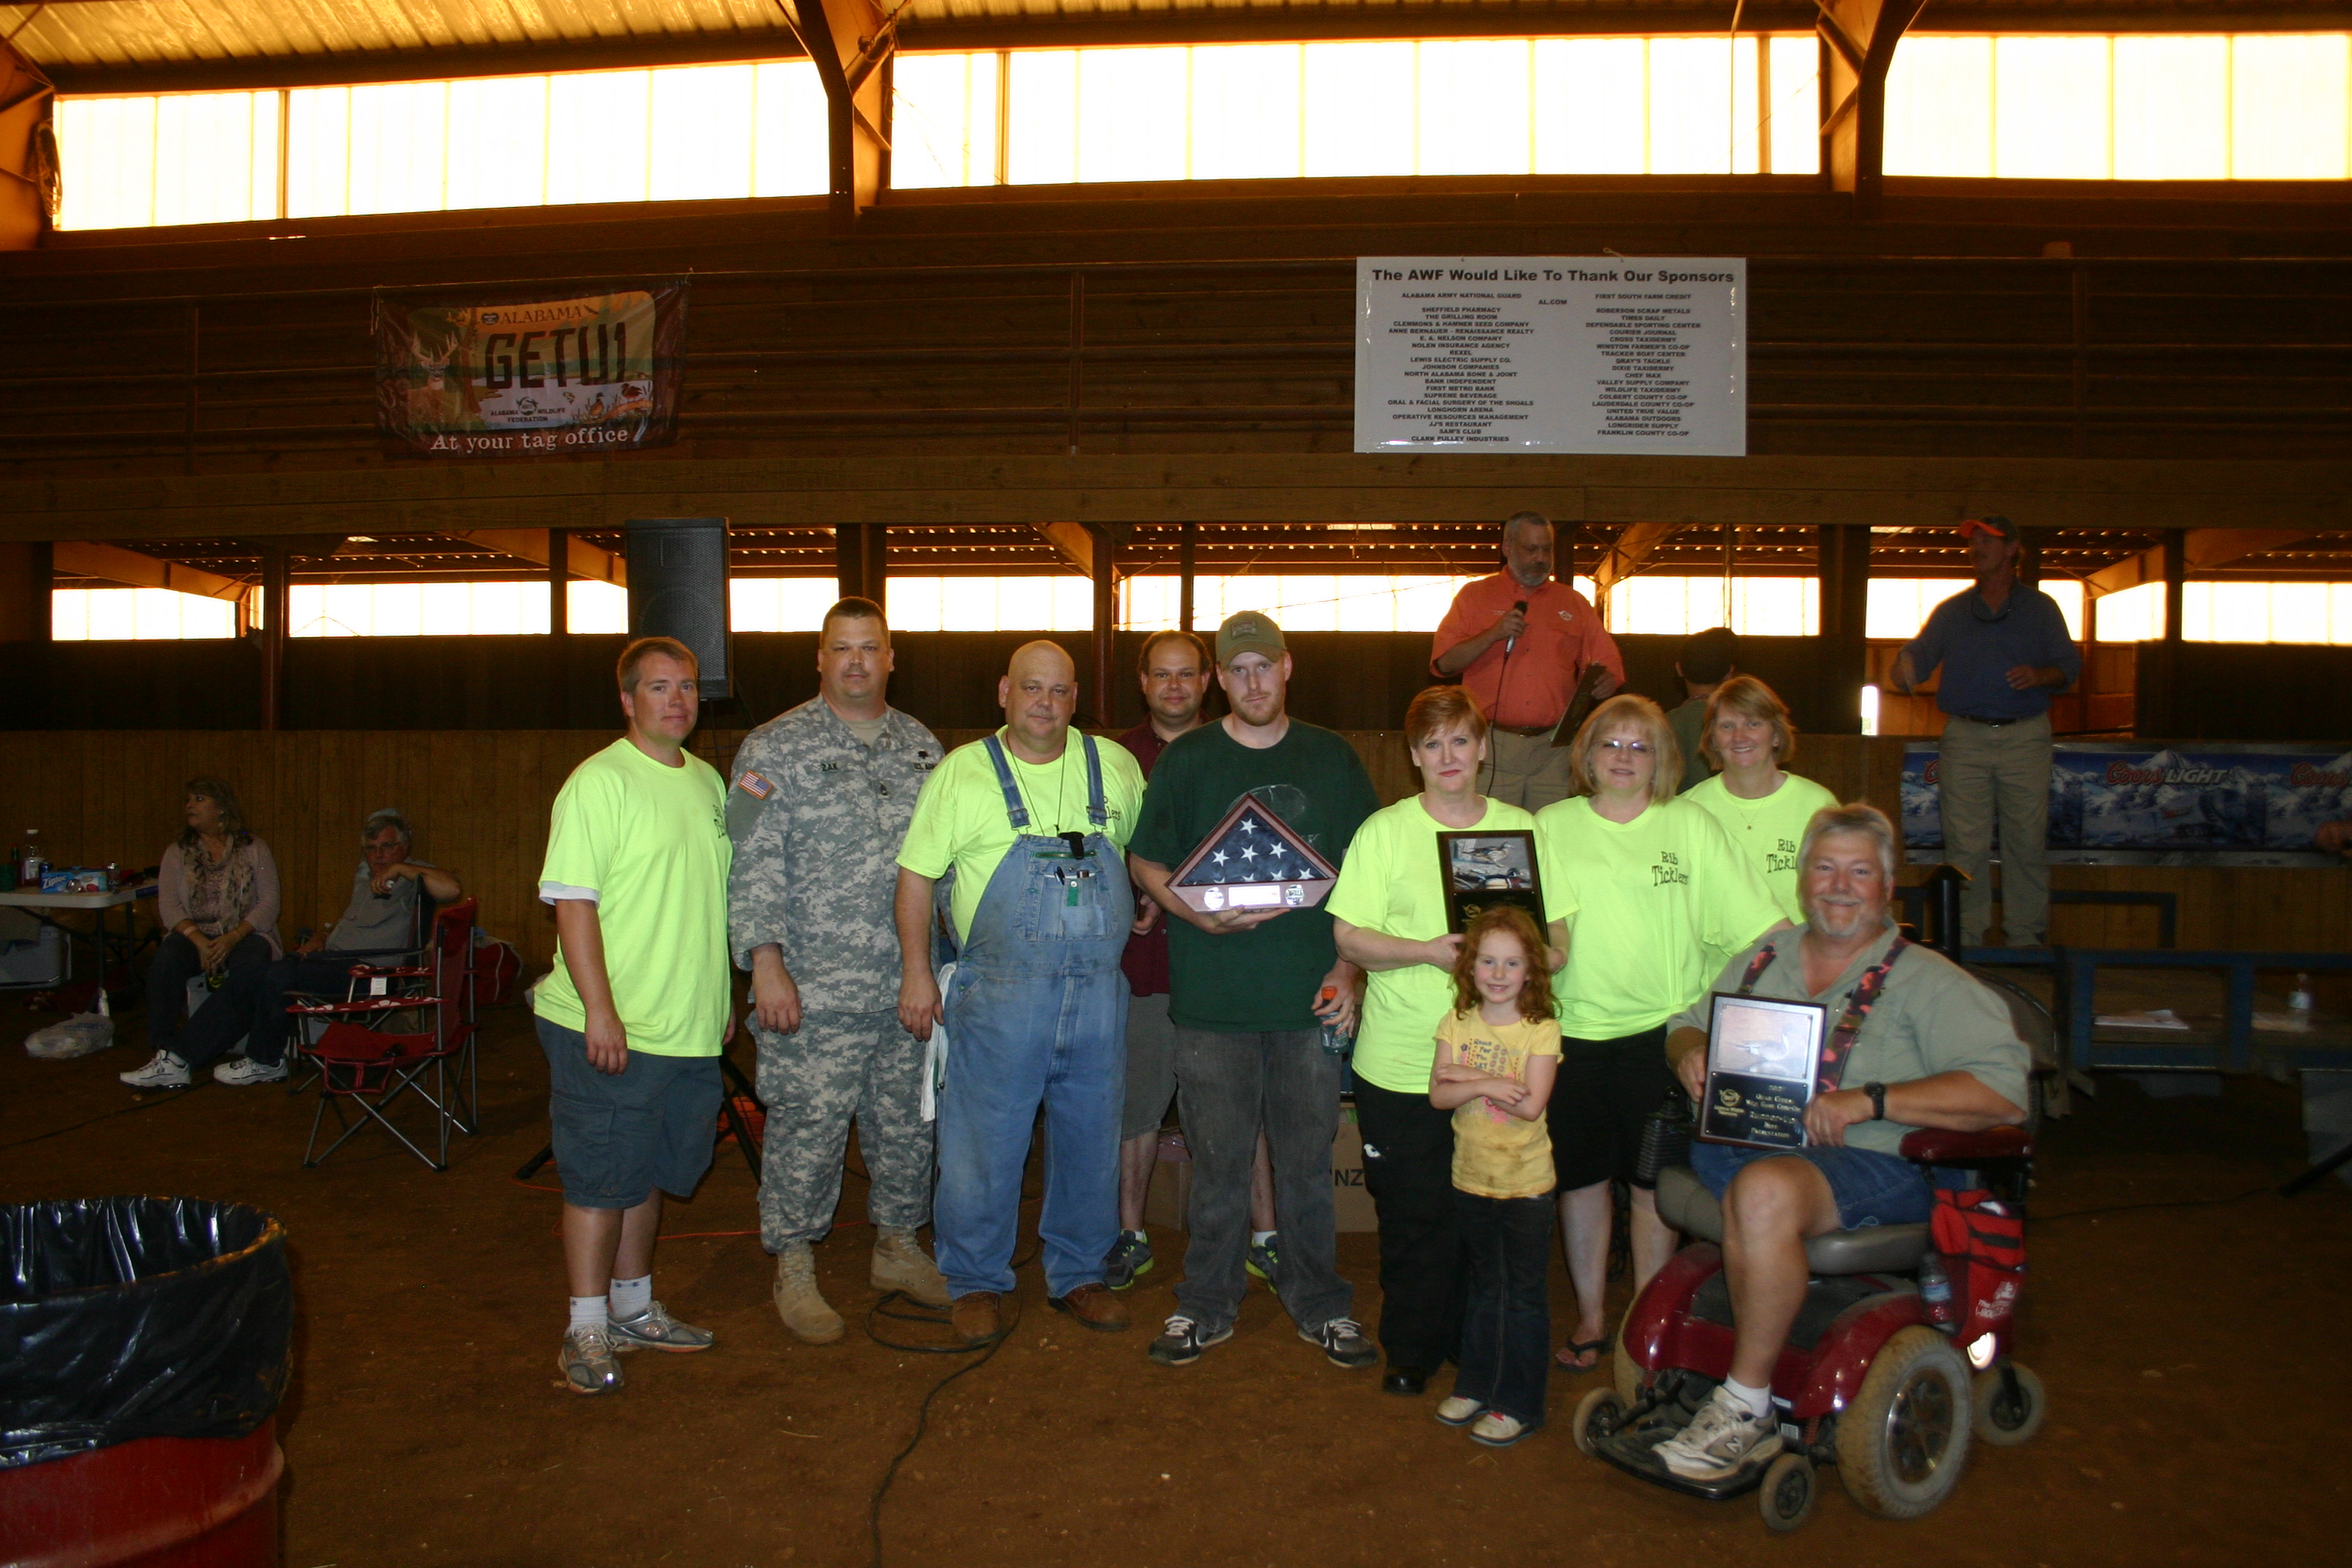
pixel 1520 642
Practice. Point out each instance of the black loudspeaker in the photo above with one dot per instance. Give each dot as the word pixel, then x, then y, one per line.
pixel 677 588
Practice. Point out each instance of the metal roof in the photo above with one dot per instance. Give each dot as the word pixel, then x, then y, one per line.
pixel 146 46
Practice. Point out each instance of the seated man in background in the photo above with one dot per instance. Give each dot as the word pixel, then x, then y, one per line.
pixel 379 922
pixel 1931 1046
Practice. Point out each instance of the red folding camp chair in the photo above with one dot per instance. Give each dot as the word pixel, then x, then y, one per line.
pixel 362 1060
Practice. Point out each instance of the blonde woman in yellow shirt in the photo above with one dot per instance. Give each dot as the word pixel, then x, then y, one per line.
pixel 1763 807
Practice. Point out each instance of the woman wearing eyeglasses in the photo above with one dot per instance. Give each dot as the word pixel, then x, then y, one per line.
pixel 1650 900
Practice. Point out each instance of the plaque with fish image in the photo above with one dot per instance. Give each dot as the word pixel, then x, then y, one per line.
pixel 1252 860
pixel 1763 1059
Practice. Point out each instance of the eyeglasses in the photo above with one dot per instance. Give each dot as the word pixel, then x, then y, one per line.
pixel 1631 748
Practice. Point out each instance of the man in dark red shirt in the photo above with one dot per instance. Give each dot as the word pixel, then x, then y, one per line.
pixel 1175 675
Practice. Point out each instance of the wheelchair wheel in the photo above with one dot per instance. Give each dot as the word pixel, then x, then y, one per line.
pixel 1598 1416
pixel 2004 1422
pixel 1786 1497
pixel 1902 1443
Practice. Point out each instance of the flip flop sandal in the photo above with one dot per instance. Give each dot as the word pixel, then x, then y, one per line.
pixel 1569 1355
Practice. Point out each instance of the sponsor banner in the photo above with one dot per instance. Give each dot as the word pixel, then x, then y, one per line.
pixel 1552 353
pixel 2123 802
pixel 516 374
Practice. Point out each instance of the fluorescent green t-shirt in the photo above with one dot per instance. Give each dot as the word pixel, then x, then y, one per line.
pixel 1654 906
pixel 961 821
pixel 1767 831
pixel 1391 883
pixel 650 842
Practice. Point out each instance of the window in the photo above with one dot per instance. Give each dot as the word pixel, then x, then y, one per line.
pixel 761 603
pixel 416 609
pixel 1899 607
pixel 105 614
pixel 189 157
pixel 1656 604
pixel 2204 107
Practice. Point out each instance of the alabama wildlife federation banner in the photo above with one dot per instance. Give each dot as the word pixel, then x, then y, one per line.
pixel 1552 353
pixel 592 369
pixel 2116 803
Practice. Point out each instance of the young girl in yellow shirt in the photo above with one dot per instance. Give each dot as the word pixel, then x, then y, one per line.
pixel 1496 1057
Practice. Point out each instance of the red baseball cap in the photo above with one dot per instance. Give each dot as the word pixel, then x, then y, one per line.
pixel 1995 524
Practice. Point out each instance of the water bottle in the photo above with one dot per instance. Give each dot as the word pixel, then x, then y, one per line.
pixel 2299 999
pixel 1936 1293
pixel 1336 1041
pixel 29 869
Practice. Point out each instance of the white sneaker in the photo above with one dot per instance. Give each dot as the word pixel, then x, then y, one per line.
pixel 166 1071
pixel 1724 1438
pixel 244 1069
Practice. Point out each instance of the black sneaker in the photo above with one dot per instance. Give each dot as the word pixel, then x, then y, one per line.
pixel 1262 1258
pixel 1128 1261
pixel 1182 1340
pixel 1343 1342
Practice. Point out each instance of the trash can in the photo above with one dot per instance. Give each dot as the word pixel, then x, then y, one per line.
pixel 149 1347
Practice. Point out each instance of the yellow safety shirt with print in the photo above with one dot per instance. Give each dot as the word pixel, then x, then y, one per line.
pixel 647 842
pixel 1653 908
pixel 961 821
pixel 1767 831
pixel 1392 882
pixel 1496 1153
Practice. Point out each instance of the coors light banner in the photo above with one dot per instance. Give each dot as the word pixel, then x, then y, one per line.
pixel 2121 803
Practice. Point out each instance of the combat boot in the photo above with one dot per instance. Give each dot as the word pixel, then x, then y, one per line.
pixel 900 1264
pixel 798 1301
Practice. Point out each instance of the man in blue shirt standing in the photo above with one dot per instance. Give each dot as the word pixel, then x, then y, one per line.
pixel 2004 652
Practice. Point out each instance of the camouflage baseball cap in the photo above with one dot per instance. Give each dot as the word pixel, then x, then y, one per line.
pixel 1249 632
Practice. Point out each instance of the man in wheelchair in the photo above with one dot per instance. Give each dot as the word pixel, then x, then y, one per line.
pixel 1927 1046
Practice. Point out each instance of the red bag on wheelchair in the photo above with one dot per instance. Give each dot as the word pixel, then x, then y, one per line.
pixel 1983 1244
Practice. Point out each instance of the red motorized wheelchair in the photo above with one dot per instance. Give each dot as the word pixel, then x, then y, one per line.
pixel 1865 1381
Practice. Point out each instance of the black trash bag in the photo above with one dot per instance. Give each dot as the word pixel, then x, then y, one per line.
pixel 130 1318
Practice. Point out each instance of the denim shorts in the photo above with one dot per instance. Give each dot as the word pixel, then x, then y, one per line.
pixel 1869 1188
pixel 618 1136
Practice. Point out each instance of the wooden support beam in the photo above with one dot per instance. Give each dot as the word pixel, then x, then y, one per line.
pixel 1630 554
pixel 1858 40
pixel 2202 550
pixel 1074 542
pixel 581 559
pixel 113 564
pixel 852 45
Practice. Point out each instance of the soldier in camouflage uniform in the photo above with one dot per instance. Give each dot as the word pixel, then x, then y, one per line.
pixel 817 809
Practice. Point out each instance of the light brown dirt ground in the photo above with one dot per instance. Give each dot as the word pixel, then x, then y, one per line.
pixel 2195 1362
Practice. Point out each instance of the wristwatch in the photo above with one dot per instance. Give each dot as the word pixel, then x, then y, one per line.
pixel 1877 1092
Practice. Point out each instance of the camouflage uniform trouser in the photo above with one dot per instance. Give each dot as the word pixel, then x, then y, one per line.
pixel 835 1067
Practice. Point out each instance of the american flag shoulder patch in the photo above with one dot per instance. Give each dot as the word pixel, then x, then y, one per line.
pixel 755 786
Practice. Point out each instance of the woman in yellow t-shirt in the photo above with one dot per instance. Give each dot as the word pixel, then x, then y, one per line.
pixel 1650 900
pixel 1388 914
pixel 1496 1053
pixel 1763 808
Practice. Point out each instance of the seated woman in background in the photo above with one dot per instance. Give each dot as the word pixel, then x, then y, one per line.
pixel 216 895
pixel 1765 810
pixel 1650 900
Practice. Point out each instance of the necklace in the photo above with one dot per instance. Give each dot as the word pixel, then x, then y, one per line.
pixel 1061 791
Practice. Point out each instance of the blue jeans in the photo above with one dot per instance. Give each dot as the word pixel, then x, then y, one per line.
pixel 1869 1188
pixel 1506 1319
pixel 1016 1042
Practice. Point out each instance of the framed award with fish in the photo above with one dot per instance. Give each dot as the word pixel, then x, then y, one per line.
pixel 1763 1061
pixel 1252 860
pixel 1484 868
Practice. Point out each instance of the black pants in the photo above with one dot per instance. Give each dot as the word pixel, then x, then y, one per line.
pixel 175 963
pixel 1506 1319
pixel 251 1005
pixel 1409 1170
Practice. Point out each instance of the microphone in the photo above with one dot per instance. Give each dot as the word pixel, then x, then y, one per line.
pixel 1510 643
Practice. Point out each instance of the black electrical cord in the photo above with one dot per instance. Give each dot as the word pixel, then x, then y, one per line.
pixel 2158 1204
pixel 148 1104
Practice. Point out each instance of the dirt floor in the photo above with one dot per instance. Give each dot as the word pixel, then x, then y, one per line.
pixel 427 1423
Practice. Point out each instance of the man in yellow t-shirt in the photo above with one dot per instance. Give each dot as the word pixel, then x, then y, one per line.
pixel 637 1011
pixel 1033 822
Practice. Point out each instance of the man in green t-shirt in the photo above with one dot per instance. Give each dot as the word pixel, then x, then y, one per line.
pixel 1033 822
pixel 636 1010
pixel 1250 992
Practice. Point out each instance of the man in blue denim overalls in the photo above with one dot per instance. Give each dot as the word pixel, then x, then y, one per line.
pixel 1034 823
